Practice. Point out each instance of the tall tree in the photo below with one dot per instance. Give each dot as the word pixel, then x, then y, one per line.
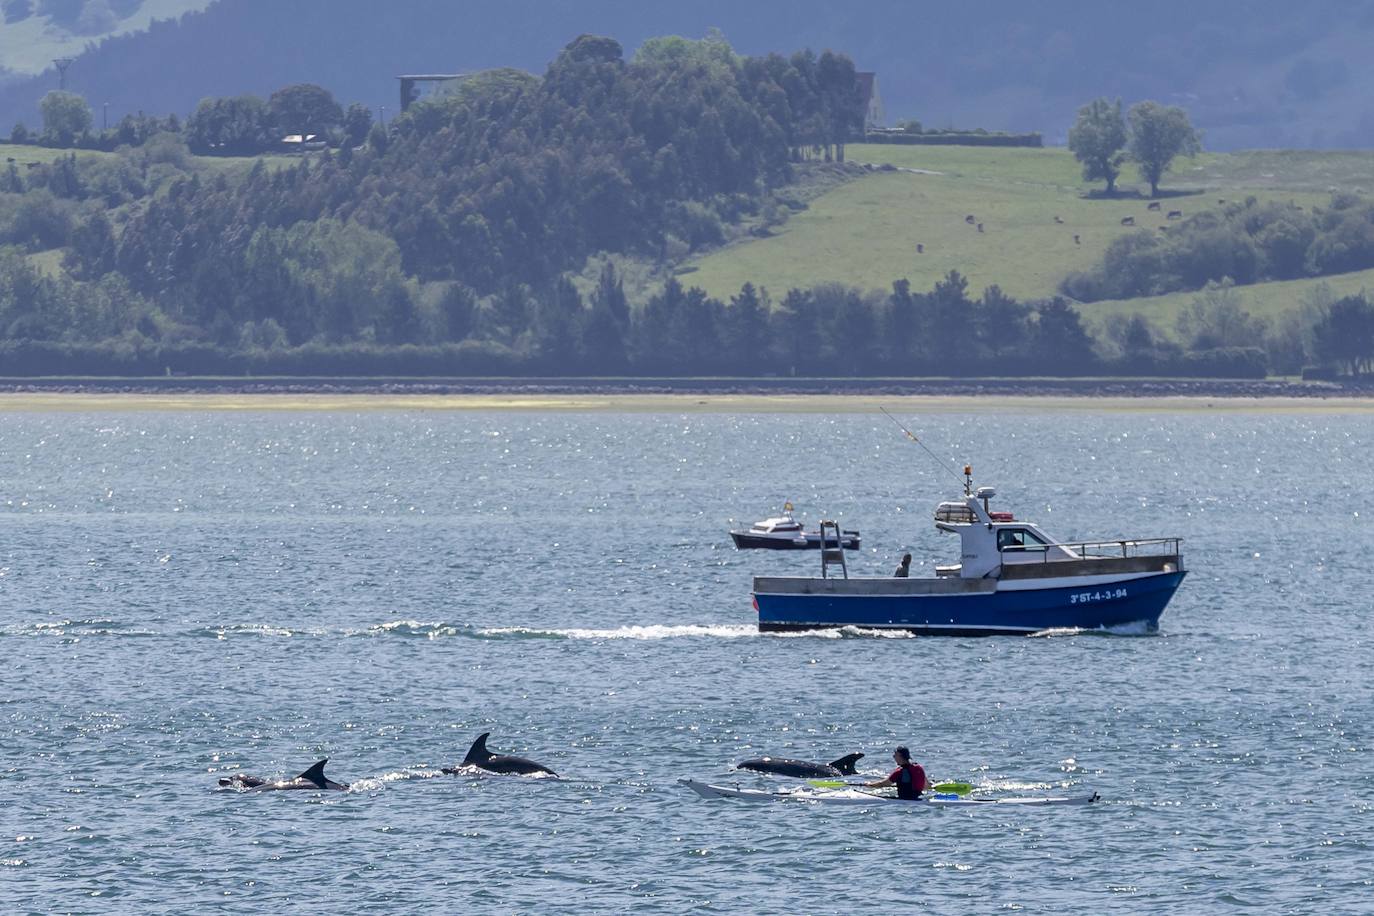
pixel 304 109
pixel 1097 139
pixel 746 330
pixel 457 306
pixel 1158 134
pixel 951 322
pixel 1061 342
pixel 797 334
pixel 900 331
pixel 357 122
pixel 66 116
pixel 654 351
pixel 554 326
pixel 610 295
pixel 1001 322
pixel 602 342
pixel 237 126
pixel 1345 334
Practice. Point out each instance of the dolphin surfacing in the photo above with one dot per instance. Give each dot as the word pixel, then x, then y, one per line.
pixel 312 779
pixel 786 766
pixel 478 756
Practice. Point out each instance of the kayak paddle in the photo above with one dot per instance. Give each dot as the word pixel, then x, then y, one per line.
pixel 955 788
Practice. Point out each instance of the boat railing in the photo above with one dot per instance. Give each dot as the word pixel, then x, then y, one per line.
pixel 832 550
pixel 1120 549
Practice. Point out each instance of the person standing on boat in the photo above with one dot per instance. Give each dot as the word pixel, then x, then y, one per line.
pixel 904 570
pixel 909 778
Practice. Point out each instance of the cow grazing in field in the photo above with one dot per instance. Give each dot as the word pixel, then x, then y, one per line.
pixel 1221 201
pixel 1153 206
pixel 970 219
pixel 1058 220
pixel 920 249
pixel 1128 220
pixel 980 227
pixel 1175 214
pixel 1077 240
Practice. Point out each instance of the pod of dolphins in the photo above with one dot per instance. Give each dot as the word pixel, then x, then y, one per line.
pixel 482 758
pixel 314 779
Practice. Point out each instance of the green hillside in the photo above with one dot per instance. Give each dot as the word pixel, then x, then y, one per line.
pixel 29 44
pixel 865 233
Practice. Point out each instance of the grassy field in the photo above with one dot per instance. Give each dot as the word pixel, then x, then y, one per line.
pixel 866 233
pixel 1266 300
pixel 23 155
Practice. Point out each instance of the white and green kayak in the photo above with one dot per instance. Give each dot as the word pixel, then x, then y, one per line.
pixel 859 796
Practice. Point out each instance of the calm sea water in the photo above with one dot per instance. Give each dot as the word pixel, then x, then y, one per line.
pixel 186 593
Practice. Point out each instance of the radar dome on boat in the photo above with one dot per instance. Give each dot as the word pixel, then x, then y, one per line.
pixel 986 492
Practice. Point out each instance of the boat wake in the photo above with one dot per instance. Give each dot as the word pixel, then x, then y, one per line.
pixel 415 629
pixel 688 631
pixel 1134 628
pixel 652 631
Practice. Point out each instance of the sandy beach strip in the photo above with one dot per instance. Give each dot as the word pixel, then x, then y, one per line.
pixel 41 401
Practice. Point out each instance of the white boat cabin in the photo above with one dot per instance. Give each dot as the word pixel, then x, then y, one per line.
pixel 782 524
pixel 991 540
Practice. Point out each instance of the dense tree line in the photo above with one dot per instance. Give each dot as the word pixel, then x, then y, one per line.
pixel 1245 242
pixel 239 126
pixel 370 319
pixel 510 180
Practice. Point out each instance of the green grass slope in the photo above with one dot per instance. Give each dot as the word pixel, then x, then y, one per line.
pixel 1263 300
pixel 22 155
pixel 865 233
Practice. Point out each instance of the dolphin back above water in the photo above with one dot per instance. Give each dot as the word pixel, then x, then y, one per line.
pixel 479 756
pixel 786 766
pixel 312 779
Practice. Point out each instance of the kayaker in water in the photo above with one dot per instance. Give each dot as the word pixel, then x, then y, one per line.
pixel 909 778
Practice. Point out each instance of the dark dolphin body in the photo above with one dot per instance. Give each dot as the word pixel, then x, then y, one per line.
pixel 785 766
pixel 479 756
pixel 312 779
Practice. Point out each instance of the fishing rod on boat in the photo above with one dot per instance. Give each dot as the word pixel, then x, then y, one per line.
pixel 968 472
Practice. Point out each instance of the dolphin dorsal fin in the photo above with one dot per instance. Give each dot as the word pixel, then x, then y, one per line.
pixel 846 763
pixel 478 753
pixel 316 774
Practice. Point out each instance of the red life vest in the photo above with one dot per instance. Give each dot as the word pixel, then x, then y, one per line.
pixel 910 780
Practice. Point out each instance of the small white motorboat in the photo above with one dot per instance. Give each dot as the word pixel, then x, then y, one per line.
pixel 783 532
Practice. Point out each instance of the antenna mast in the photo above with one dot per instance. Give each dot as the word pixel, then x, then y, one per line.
pixel 968 472
pixel 62 63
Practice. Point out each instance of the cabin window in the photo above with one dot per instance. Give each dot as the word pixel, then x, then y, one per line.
pixel 1018 539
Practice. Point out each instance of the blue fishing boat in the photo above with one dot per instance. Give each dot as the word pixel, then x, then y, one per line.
pixel 1011 578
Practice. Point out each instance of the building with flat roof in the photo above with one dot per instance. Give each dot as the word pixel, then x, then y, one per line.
pixel 868 94
pixel 417 86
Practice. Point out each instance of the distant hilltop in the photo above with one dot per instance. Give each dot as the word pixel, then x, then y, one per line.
pixel 1260 74
pixel 34 33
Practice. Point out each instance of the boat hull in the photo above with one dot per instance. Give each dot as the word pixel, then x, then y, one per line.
pixel 810 540
pixel 869 799
pixel 958 607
